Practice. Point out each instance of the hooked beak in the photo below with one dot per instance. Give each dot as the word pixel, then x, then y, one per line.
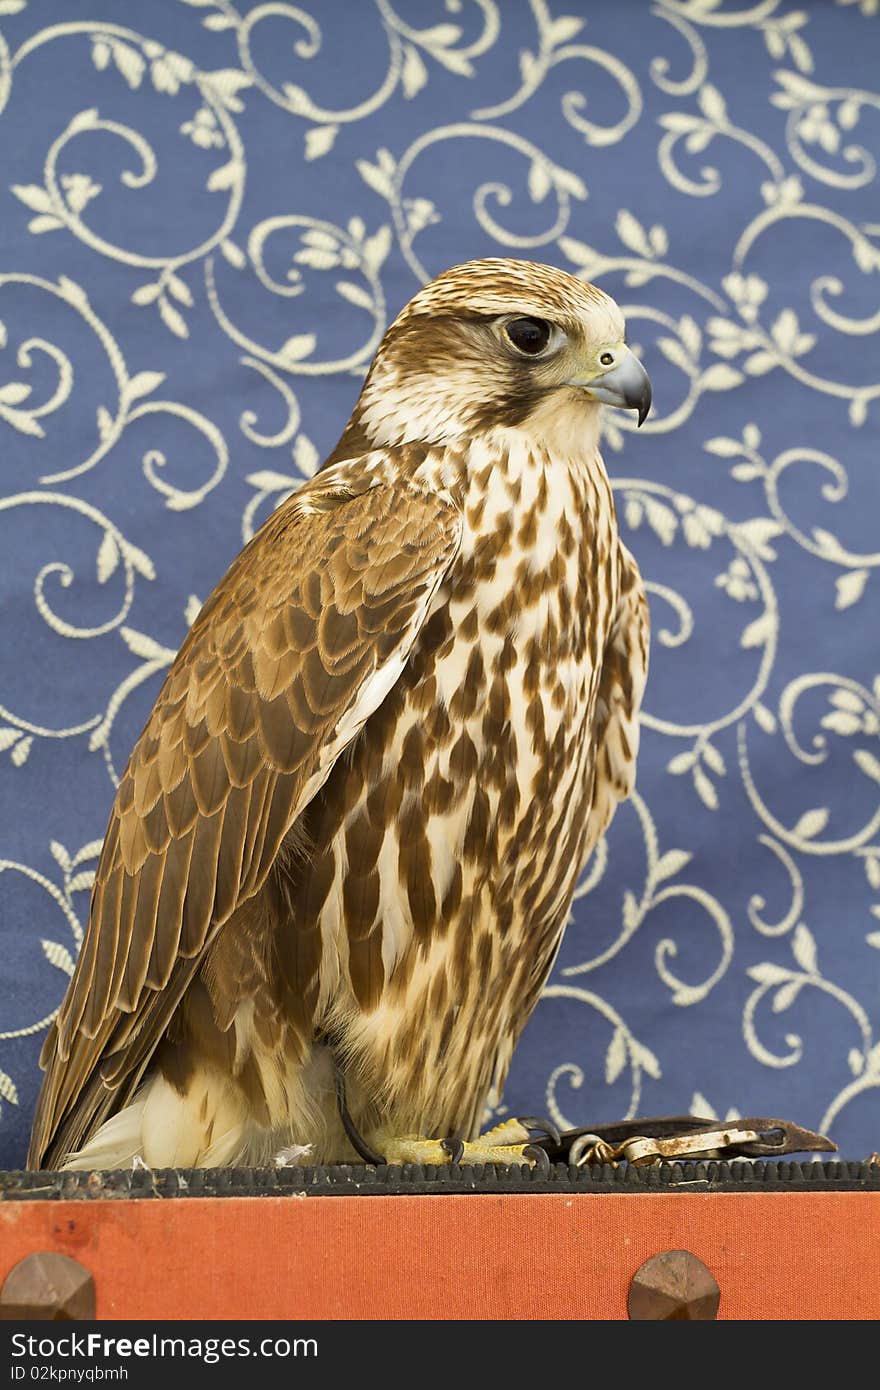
pixel 626 384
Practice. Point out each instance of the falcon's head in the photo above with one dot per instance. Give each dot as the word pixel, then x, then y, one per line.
pixel 501 343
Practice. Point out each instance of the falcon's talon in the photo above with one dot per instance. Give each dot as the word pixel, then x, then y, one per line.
pixel 540 1163
pixel 540 1126
pixel 454 1147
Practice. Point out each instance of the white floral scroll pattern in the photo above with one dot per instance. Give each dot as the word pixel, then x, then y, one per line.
pixel 210 213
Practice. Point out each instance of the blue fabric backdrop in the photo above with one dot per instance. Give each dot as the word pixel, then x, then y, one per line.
pixel 206 221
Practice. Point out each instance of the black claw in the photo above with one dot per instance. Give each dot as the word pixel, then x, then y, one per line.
pixel 454 1147
pixel 542 1126
pixel 541 1157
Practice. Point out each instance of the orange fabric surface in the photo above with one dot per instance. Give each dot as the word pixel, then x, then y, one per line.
pixel 775 1255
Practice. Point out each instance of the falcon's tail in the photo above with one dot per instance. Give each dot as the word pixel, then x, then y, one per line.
pixel 205 1127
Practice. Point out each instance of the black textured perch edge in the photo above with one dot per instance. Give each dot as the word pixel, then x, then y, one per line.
pixel 347 1180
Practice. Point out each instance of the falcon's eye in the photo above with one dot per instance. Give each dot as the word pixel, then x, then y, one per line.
pixel 530 336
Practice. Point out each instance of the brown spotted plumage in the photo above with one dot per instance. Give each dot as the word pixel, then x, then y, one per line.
pixel 351 830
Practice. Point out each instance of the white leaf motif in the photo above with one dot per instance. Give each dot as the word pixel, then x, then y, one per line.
pixel 768 974
pixel 14 393
pixel 712 103
pixel 44 223
pixel 811 823
pixel 840 722
pixel 633 234
pixel 225 176
pixel 868 763
pixel 33 197
pixel 297 347
pixel 84 120
pixel 786 995
pixel 172 319
pixel 757 532
pixel 803 948
pixel 676 353
pixel 615 1058
pixel 316 258
pixel 540 182
pixel 378 179
pixel 785 330
pixel 320 140
pixel 105 423
pixel 129 62
pixel 305 455
pixel 720 377
pixel 376 248
pixel 705 789
pixel 630 913
pixel 145 647
pixel 58 955
pixel 60 855
pixel 192 610
pixel 564 28
pixel 414 74
pixel 723 447
pixel 269 481
pixel 234 254
pixel 644 1057
pixel 850 588
pixel 138 560
pixel 758 633
pixel 764 718
pixel 759 363
pixel 142 384
pixel 672 862
pixel 181 290
pixel 355 294
pixel 661 519
pixel 108 557
pixel 714 759
pixel 681 763
pixel 19 754
pixel 146 294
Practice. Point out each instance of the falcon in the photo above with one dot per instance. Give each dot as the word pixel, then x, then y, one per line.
pixel 343 852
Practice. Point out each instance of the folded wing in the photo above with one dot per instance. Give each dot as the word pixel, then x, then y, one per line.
pixel 297 646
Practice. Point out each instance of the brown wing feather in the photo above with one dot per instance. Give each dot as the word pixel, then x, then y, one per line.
pixel 296 646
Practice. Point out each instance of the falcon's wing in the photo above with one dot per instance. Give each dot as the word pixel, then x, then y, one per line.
pixel 621 686
pixel 297 646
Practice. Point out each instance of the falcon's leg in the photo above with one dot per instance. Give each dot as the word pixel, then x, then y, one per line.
pixel 507 1143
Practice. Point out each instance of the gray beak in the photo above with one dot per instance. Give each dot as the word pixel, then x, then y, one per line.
pixel 627 385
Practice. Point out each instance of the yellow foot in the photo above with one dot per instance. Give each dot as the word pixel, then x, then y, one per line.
pixel 507 1143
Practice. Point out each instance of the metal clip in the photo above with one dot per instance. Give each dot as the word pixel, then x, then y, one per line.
pixel 702 1143
pixel 695 1139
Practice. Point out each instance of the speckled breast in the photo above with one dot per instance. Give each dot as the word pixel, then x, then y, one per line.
pixel 454 826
